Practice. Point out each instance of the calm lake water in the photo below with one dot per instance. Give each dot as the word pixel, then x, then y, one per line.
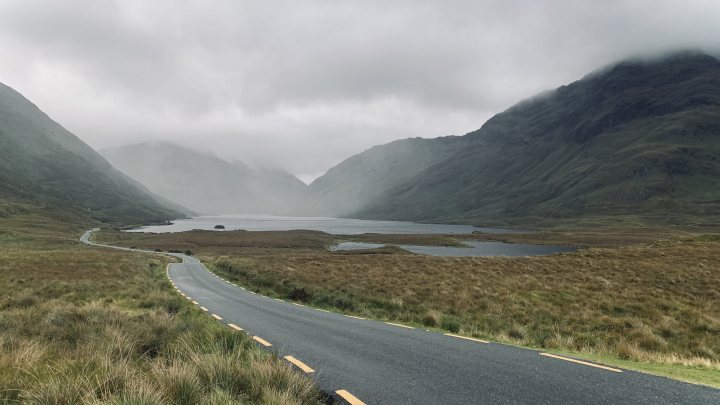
pixel 343 226
pixel 474 248
pixel 338 226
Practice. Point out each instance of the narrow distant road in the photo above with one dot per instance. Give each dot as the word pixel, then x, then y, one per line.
pixel 379 363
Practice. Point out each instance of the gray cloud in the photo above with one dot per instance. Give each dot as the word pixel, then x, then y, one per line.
pixel 302 85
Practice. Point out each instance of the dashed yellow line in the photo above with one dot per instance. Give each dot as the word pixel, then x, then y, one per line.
pixel 302 366
pixel 581 362
pixel 232 325
pixel 216 317
pixel 204 309
pixel 353 316
pixel 467 338
pixel 262 341
pixel 350 398
pixel 402 326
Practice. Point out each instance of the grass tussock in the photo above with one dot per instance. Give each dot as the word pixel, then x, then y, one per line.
pixel 81 325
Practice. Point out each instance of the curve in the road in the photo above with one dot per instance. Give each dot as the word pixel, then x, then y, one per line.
pixel 387 363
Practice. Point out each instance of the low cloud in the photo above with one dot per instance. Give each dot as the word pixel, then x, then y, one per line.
pixel 303 85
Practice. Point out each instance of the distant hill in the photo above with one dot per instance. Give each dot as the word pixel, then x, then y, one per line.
pixel 205 183
pixel 637 140
pixel 41 163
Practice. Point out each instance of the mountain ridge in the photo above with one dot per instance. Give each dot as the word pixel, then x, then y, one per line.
pixel 634 139
pixel 206 183
pixel 45 164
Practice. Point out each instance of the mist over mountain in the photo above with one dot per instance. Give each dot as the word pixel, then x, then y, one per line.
pixel 640 139
pixel 205 183
pixel 43 163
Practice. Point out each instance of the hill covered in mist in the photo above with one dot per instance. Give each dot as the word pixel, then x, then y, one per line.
pixel 41 163
pixel 637 140
pixel 206 183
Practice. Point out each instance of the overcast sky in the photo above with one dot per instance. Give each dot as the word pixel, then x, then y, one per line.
pixel 304 84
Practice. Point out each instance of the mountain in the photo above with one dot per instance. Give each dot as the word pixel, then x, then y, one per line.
pixel 636 140
pixel 205 183
pixel 44 164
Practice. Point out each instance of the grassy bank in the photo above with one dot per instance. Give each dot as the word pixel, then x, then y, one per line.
pixel 82 325
pixel 650 306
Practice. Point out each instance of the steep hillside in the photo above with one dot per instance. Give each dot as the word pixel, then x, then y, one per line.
pixel 364 178
pixel 44 164
pixel 640 139
pixel 205 183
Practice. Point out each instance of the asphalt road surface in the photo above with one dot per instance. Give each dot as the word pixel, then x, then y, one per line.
pixel 374 362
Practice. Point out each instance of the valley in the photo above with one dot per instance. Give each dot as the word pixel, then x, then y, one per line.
pixel 593 212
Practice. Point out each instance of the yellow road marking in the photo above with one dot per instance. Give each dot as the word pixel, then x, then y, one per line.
pixel 350 398
pixel 397 324
pixel 232 325
pixel 204 309
pixel 262 341
pixel 302 366
pixel 353 316
pixel 467 338
pixel 581 362
pixel 216 317
pixel 195 302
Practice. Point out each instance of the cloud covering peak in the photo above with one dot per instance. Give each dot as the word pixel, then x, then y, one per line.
pixel 302 85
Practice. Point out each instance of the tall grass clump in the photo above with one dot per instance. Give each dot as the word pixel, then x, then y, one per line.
pixel 81 325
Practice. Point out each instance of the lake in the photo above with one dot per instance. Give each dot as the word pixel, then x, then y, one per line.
pixel 337 226
pixel 345 226
pixel 473 248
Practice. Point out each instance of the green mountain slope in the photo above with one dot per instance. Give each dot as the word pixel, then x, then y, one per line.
pixel 42 163
pixel 640 139
pixel 205 183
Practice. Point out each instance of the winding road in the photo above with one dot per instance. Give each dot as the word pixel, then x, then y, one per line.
pixel 373 362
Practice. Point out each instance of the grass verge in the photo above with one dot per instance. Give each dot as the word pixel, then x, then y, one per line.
pixel 81 325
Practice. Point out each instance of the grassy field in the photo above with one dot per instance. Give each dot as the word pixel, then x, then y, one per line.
pixel 81 325
pixel 652 305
